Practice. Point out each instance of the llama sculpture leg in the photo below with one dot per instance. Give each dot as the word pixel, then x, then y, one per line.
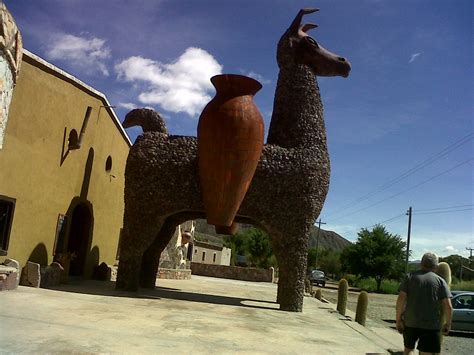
pixel 151 256
pixel 290 248
pixel 140 230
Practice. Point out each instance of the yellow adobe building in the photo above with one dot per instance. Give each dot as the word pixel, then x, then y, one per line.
pixel 61 171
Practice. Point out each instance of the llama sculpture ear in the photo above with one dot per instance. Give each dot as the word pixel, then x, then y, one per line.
pixel 308 26
pixel 295 25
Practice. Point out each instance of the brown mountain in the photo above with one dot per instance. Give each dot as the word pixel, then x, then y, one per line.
pixel 327 239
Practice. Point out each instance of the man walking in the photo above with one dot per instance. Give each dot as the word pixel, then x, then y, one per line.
pixel 418 308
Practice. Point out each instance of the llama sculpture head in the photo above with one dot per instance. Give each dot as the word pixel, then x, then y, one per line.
pixel 297 47
pixel 148 119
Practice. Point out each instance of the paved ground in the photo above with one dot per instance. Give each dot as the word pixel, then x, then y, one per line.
pixel 202 315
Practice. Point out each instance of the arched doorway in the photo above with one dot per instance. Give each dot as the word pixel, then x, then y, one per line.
pixel 79 238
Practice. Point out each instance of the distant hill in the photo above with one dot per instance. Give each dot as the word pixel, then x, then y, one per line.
pixel 327 239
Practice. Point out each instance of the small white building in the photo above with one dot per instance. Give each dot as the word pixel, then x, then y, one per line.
pixel 207 253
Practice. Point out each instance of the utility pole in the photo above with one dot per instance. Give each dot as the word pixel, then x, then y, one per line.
pixel 317 241
pixel 470 250
pixel 408 238
pixel 470 258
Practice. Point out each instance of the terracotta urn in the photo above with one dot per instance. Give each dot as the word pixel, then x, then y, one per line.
pixel 230 230
pixel 230 142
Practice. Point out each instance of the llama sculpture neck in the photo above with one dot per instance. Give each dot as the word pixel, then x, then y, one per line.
pixel 297 120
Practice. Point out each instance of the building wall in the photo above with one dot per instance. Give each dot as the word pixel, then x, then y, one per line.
pixel 233 272
pixel 45 180
pixel 203 255
pixel 225 256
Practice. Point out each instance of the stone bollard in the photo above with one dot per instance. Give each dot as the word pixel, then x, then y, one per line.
pixel 102 272
pixel 444 270
pixel 361 311
pixel 51 275
pixel 272 269
pixel 342 296
pixel 16 265
pixel 31 275
pixel 308 286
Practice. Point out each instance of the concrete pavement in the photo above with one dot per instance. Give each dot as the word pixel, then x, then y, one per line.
pixel 201 315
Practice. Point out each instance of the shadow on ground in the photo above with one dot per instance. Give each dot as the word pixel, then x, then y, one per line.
pixel 107 288
pixel 451 333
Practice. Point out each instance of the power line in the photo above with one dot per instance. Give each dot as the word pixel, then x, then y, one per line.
pixel 437 212
pixel 373 225
pixel 409 172
pixel 406 190
pixel 444 208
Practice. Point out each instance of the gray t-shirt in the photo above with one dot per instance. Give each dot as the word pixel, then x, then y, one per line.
pixel 425 290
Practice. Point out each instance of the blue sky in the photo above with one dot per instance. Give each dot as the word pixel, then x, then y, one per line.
pixel 400 128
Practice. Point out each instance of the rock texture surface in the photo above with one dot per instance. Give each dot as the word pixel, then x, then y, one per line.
pixel 286 194
pixel 51 275
pixel 233 272
pixel 10 60
pixel 31 275
pixel 9 277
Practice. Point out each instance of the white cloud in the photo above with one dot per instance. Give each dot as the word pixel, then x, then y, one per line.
pixel 127 105
pixel 450 248
pixel 89 54
pixel 180 86
pixel 443 243
pixel 413 57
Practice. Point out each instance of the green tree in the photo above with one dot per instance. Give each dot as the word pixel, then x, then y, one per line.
pixel 254 244
pixel 376 254
pixel 330 263
pixel 259 249
pixel 455 262
pixel 328 260
pixel 311 265
pixel 238 245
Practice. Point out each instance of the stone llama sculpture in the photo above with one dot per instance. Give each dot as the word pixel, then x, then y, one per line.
pixel 286 194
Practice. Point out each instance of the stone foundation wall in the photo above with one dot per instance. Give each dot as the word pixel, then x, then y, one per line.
pixel 232 272
pixel 174 274
pixel 163 273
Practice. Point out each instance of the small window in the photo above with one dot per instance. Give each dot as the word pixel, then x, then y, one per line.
pixel 214 258
pixel 203 255
pixel 195 251
pixel 108 164
pixel 7 207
